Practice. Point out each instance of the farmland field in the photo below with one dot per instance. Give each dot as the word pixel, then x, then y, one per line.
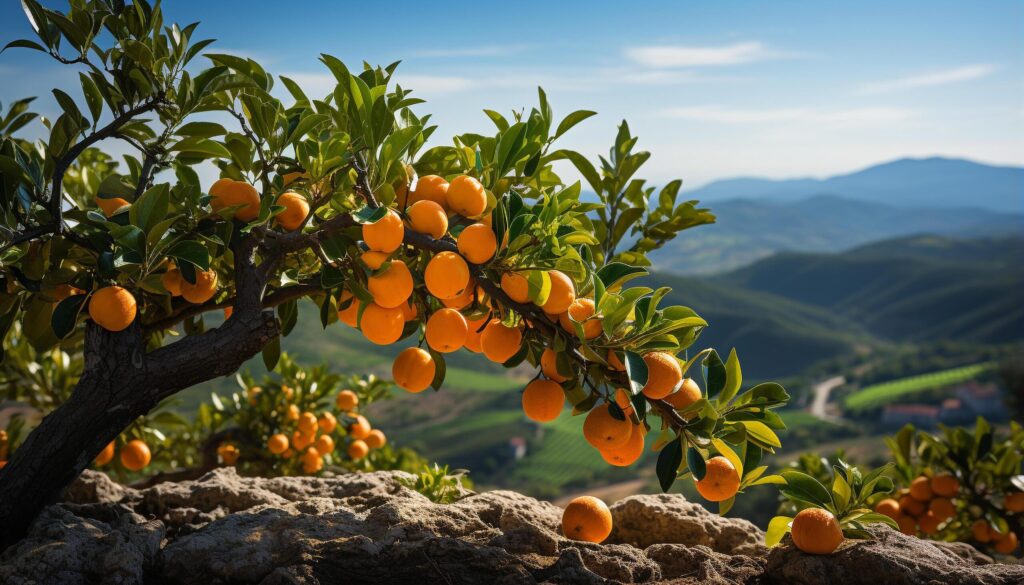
pixel 880 394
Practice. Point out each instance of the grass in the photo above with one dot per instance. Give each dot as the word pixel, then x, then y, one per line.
pixel 881 394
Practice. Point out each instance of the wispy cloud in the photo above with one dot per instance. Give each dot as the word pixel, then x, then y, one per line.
pixel 668 56
pixel 837 117
pixel 484 51
pixel 957 75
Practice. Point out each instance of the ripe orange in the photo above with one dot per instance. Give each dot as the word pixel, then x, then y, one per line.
pixel 945 485
pixel 981 531
pixel 350 314
pixel 663 374
pixel 475 329
pixel 112 205
pixel 204 288
pixel 427 217
pixel 543 400
pixel 431 188
pixel 376 439
pixel 374 260
pixel 296 208
pixel 324 444
pixel 912 506
pixel 516 287
pixel 688 393
pixel 604 431
pixel 327 422
pixel 889 507
pixel 614 362
pixel 135 455
pixel 1007 543
pixel 581 311
pixel 920 489
pixel 446 330
pixel 228 193
pixel 549 365
pixel 587 518
pixel 386 234
pixel 346 401
pixel 721 480
pixel 106 455
pixel 277 444
pixel 463 300
pixel 409 310
pixel 228 453
pixel 466 196
pixel 628 453
pixel 447 275
pixel 413 369
pixel 307 423
pixel 359 429
pixel 300 440
pixel 172 280
pixel 907 524
pixel 563 293
pixel 312 461
pixel 392 286
pixel 624 400
pixel 816 531
pixel 381 325
pixel 477 243
pixel 929 522
pixel 942 508
pixel 499 343
pixel 357 450
pixel 1014 502
pixel 292 413
pixel 112 308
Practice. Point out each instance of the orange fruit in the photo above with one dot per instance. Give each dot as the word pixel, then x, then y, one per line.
pixel 386 234
pixel 63 291
pixel 112 205
pixel 374 260
pixel 447 275
pixel 624 400
pixel 277 444
pixel 604 431
pixel 296 208
pixel 357 450
pixel 172 280
pixel 327 422
pixel 300 440
pixel 307 423
pixel 359 429
pixel 228 193
pixel 253 394
pixel 228 453
pixel 391 286
pixel 549 365
pixel 346 401
pixel 929 522
pixel 907 524
pixel 409 311
pixel 516 287
pixel 1007 543
pixel 474 331
pixel 292 414
pixel 1014 502
pixel 312 461
pixel 499 343
pixel 463 300
pixel 816 531
pixel 587 518
pixel 628 453
pixel 981 531
pixel 477 243
pixel 446 330
pixel 687 394
pixel 614 362
pixel 135 455
pixel 228 312
pixel 720 481
pixel 945 485
pixel 466 196
pixel 581 311
pixel 324 444
pixel 921 489
pixel 381 325
pixel 376 439
pixel 204 288
pixel 663 374
pixel 431 188
pixel 543 400
pixel 563 293
pixel 106 455
pixel 889 507
pixel 413 370
pixel 350 314
pixel 112 308
pixel 912 506
pixel 427 217
pixel 942 508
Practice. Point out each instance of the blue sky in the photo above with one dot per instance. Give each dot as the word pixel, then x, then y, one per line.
pixel 714 89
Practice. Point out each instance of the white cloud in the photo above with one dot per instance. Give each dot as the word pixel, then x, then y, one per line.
pixel 665 56
pixel 958 75
pixel 840 117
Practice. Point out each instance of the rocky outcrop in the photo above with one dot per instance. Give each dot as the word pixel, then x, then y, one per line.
pixel 372 528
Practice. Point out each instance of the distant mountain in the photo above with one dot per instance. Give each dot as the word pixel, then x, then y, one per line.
pixel 929 182
pixel 751 229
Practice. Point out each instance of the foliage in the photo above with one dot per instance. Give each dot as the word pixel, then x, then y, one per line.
pixel 880 394
pixel 441 485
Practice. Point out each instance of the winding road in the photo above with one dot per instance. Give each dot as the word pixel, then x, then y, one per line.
pixel 821 391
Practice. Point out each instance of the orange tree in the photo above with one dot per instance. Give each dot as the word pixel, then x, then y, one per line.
pixel 315 200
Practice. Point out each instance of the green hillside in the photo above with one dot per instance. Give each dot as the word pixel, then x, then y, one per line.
pixel 880 394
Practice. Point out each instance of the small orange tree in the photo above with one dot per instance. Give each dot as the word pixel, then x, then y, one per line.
pixel 316 200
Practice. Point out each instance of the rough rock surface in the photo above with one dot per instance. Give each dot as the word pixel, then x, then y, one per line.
pixel 371 528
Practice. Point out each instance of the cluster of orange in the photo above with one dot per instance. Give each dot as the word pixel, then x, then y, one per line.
pixel 311 435
pixel 135 455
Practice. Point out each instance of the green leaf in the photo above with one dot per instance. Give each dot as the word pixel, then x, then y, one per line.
pixel 669 459
pixel 804 488
pixel 571 120
pixel 65 315
pixel 760 432
pixel 615 274
pixel 715 374
pixel 733 378
pixel 876 518
pixel 696 464
pixel 201 129
pixel 841 492
pixel 191 251
pixel 777 528
pixel 150 208
pixel 636 371
pixel 272 353
pixel 365 215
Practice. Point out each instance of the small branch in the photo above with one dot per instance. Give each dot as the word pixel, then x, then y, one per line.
pixel 363 182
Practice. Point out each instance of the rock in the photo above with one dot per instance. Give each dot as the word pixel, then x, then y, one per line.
pixel 372 528
pixel 891 557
